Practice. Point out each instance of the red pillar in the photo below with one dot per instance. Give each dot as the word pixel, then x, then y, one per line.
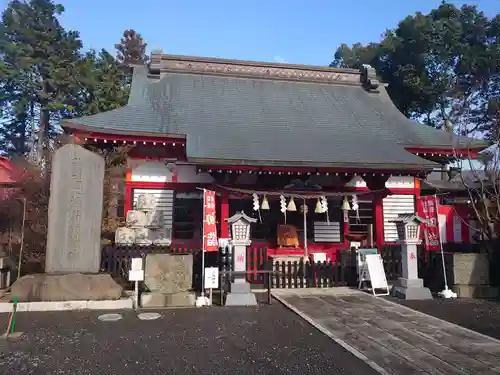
pixel 345 218
pixel 128 198
pixel 378 212
pixel 224 214
pixel 128 192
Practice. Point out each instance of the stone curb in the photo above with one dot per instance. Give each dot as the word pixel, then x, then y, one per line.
pixel 124 303
pixel 326 332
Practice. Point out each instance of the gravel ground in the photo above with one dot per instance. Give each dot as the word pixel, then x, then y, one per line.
pixel 265 340
pixel 482 316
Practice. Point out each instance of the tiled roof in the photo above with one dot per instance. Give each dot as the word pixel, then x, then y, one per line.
pixel 251 120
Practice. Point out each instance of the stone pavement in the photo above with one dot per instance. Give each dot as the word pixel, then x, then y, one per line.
pixel 391 338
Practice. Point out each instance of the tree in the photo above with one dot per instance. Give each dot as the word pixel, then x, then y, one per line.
pixel 38 68
pixel 131 50
pixel 434 62
pixel 104 85
pixel 354 57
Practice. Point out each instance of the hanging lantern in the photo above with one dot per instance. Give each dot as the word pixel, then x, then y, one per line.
pixel 319 208
pixel 345 204
pixel 265 204
pixel 291 205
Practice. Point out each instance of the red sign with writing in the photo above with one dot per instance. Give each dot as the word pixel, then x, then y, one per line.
pixel 429 211
pixel 210 242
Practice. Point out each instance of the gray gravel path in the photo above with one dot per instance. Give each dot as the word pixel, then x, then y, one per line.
pixel 267 340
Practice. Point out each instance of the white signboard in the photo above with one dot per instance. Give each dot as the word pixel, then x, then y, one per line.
pixel 360 255
pixel 319 257
pixel 136 275
pixel 373 270
pixel 136 264
pixel 211 277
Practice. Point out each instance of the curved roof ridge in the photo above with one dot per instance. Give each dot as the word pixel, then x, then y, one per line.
pixel 425 133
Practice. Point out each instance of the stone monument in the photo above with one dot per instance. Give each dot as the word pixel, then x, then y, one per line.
pixel 239 290
pixel 409 286
pixel 75 211
pixel 169 277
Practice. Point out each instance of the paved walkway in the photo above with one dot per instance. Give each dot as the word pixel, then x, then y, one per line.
pixel 391 338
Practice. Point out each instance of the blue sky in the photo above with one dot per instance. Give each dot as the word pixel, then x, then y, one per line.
pixel 293 31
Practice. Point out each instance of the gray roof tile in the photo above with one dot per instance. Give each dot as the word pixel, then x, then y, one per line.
pixel 253 120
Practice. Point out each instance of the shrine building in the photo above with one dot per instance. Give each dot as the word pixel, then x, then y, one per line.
pixel 325 140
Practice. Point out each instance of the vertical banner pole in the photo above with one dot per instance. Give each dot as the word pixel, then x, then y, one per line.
pixel 441 245
pixel 306 250
pixel 203 248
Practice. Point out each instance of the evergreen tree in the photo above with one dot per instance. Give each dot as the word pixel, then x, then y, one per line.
pixel 440 67
pixel 131 50
pixel 39 65
pixel 104 85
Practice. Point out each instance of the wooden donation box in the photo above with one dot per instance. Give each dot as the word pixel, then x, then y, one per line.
pixel 287 236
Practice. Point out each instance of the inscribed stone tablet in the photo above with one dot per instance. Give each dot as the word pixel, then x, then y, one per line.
pixel 75 211
pixel 169 273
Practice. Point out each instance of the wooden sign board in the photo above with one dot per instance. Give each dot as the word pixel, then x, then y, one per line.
pixel 373 270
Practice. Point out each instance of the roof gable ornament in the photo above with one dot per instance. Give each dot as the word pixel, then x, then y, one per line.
pixel 369 77
pixel 240 216
pixel 163 63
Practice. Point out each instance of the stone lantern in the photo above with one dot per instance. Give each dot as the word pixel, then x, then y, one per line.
pixel 240 228
pixel 239 290
pixel 408 227
pixel 409 286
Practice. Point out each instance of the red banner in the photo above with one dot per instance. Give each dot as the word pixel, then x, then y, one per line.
pixel 210 242
pixel 429 212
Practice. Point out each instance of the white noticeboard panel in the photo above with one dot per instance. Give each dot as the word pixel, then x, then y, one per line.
pixel 373 270
pixel 136 275
pixel 361 253
pixel 136 264
pixel 211 278
pixel 319 257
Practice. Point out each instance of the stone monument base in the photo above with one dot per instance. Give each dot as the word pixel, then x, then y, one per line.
pixel 410 289
pixel 181 299
pixel 71 287
pixel 476 291
pixel 240 295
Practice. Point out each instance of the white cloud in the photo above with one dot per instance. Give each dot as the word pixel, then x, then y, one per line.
pixel 279 59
